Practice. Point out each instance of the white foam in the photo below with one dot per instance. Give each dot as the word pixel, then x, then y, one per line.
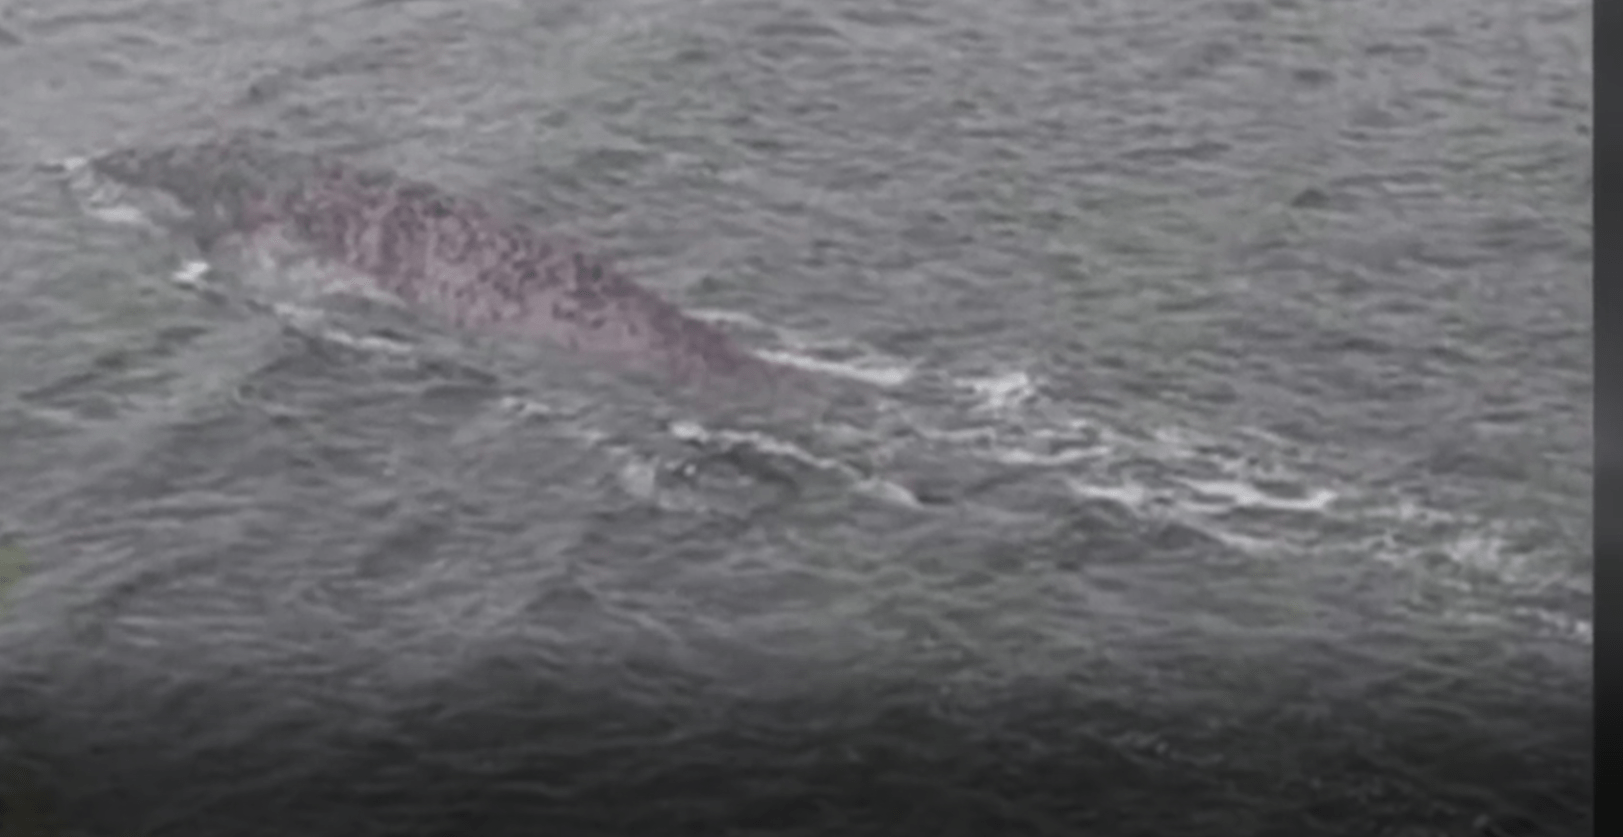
pixel 981 436
pixel 124 215
pixel 1247 544
pixel 1581 630
pixel 693 432
pixel 867 371
pixel 368 342
pixel 526 407
pixel 688 431
pixel 1020 456
pixel 1408 511
pixel 298 316
pixel 873 486
pixel 1243 494
pixel 1002 391
pixel 95 197
pixel 719 315
pixel 1487 549
pixel 808 352
pixel 1133 496
pixel 314 323
pixel 1009 443
pixel 190 273
pixel 639 478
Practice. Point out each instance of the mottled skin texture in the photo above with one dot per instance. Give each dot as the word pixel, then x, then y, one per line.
pixel 433 250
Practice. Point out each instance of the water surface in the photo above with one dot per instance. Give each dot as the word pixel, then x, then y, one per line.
pixel 1227 471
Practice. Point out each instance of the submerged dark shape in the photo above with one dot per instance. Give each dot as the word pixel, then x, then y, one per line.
pixel 434 250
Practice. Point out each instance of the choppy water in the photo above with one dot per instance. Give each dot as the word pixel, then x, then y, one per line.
pixel 1225 466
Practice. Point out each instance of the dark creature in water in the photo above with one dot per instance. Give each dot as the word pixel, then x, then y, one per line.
pixel 416 243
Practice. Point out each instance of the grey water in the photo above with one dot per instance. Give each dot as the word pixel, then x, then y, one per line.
pixel 1220 461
